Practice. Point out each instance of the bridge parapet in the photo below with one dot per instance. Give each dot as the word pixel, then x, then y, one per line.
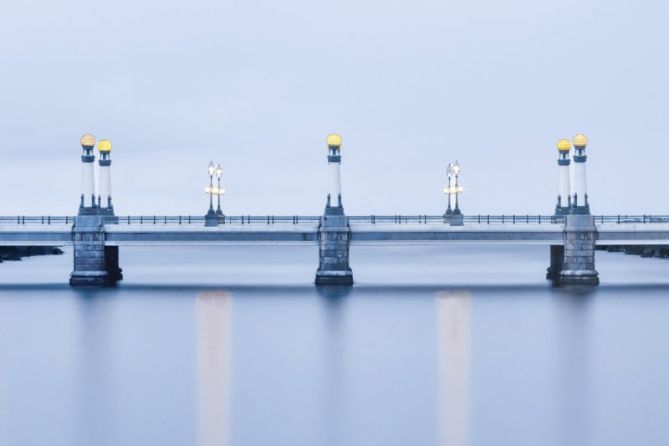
pixel 35 220
pixel 467 219
pixel 229 220
pixel 399 219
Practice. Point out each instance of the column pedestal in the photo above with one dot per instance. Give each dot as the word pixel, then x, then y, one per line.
pixel 457 219
pixel 580 235
pixel 94 264
pixel 333 252
pixel 211 219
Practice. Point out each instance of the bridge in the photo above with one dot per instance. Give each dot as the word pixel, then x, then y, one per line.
pixel 96 233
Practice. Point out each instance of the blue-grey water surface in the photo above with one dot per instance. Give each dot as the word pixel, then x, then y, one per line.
pixel 450 345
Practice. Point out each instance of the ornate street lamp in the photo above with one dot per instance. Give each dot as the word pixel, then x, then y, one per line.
pixel 449 189
pixel 219 191
pixel 457 189
pixel 211 219
pixel 455 218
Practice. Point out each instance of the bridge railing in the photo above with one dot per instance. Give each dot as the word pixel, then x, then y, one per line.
pixel 514 219
pixel 395 219
pixel 297 219
pixel 622 219
pixel 479 219
pixel 503 219
pixel 36 220
pixel 225 220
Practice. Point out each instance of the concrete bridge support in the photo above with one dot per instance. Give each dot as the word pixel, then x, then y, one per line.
pixel 94 263
pixel 557 262
pixel 112 264
pixel 580 235
pixel 333 251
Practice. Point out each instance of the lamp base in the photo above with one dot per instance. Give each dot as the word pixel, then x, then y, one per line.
pixel 210 218
pixel 457 219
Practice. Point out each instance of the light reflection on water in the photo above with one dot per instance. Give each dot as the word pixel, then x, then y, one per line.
pixel 571 314
pixel 213 367
pixel 251 363
pixel 453 327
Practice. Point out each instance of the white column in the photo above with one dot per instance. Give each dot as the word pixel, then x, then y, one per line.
pixel 579 182
pixel 334 188
pixel 564 177
pixel 88 183
pixel 87 176
pixel 334 162
pixel 105 185
pixel 564 186
pixel 580 186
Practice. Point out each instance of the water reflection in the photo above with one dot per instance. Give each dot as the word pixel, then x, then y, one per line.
pixel 573 324
pixel 96 363
pixel 213 367
pixel 453 317
pixel 334 292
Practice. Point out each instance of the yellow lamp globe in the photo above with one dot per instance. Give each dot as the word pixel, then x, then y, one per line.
pixel 580 140
pixel 105 146
pixel 87 140
pixel 564 145
pixel 334 140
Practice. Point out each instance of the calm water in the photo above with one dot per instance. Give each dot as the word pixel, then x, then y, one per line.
pixel 434 346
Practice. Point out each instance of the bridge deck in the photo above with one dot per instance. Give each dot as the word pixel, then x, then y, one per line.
pixel 47 231
pixel 498 233
pixel 35 235
pixel 161 234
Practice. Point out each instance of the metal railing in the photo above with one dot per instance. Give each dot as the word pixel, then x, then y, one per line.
pixel 395 219
pixel 38 220
pixel 225 220
pixel 479 219
pixel 622 219
pixel 297 219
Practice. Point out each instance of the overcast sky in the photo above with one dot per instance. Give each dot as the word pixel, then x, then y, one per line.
pixel 258 85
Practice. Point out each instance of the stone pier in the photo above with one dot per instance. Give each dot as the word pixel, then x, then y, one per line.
pixel 580 235
pixel 333 252
pixel 94 263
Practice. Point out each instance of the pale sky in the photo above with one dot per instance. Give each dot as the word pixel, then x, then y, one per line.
pixel 258 85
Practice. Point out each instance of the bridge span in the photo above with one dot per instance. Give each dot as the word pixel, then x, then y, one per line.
pixel 364 230
pixel 110 233
pixel 96 233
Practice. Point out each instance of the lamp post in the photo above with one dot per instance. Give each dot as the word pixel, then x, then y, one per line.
pixel 334 205
pixel 87 204
pixel 211 219
pixel 457 219
pixel 104 185
pixel 449 190
pixel 457 189
pixel 219 191
pixel 579 203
